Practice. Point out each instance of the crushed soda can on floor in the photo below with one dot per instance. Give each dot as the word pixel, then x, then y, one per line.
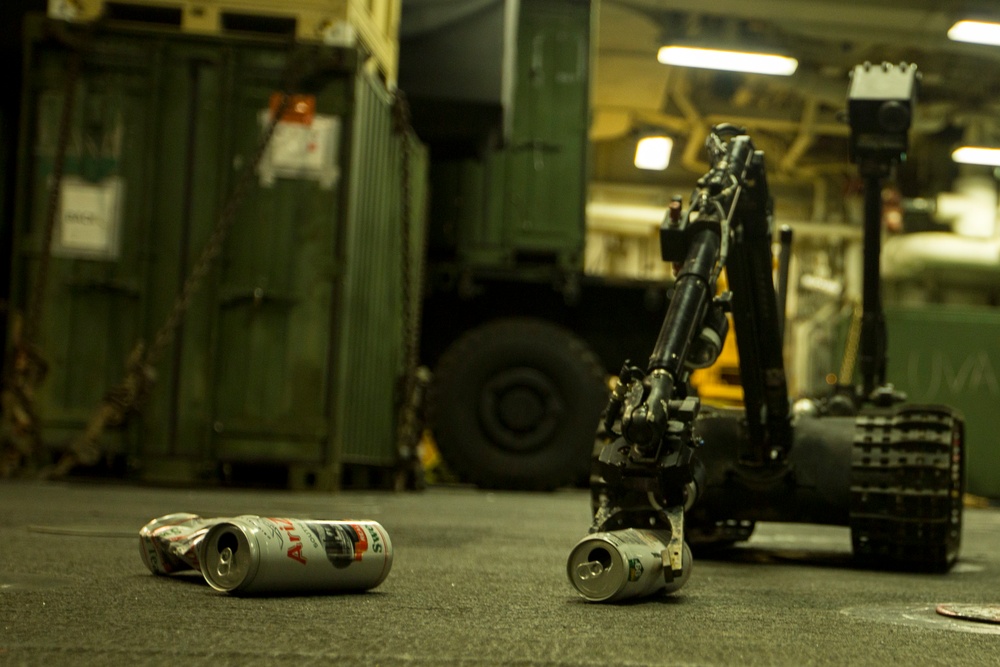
pixel 255 555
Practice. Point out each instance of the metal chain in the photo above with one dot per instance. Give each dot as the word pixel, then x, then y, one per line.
pixel 415 380
pixel 37 301
pixel 213 248
pixel 25 366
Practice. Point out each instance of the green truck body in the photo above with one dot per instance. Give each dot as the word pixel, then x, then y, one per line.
pixel 521 340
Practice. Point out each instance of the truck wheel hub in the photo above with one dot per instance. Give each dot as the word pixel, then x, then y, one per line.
pixel 520 409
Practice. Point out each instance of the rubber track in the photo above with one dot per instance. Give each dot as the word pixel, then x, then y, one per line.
pixel 906 488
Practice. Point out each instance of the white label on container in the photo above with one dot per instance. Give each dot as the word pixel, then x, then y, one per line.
pixel 89 218
pixel 302 151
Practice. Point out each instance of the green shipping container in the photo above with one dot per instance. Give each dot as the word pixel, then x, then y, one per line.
pixel 292 350
pixel 951 355
pixel 515 194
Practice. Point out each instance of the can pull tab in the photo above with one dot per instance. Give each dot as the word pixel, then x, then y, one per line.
pixel 590 570
pixel 225 562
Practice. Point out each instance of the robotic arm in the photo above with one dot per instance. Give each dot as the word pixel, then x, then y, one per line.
pixel 695 326
pixel 874 469
pixel 648 474
pixel 729 210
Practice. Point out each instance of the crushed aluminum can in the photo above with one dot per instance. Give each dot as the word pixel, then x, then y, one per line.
pixel 620 564
pixel 253 554
pixel 169 543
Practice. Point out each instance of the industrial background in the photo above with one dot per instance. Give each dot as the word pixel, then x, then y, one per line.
pixel 388 257
pixel 288 320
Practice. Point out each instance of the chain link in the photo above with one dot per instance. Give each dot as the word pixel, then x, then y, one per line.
pixel 25 367
pixel 409 424
pixel 213 248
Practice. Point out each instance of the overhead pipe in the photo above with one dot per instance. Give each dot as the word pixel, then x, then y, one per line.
pixel 942 256
pixel 698 127
pixel 779 124
pixel 680 94
pixel 805 138
pixel 915 26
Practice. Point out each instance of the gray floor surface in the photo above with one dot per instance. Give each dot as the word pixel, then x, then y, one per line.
pixel 478 579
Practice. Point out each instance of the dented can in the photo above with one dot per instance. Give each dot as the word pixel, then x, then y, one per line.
pixel 614 565
pixel 252 554
pixel 169 544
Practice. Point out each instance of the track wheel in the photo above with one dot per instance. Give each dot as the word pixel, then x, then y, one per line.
pixel 906 488
pixel 513 405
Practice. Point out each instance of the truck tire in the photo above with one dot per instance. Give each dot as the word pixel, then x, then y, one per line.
pixel 514 403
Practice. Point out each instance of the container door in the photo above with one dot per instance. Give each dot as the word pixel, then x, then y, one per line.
pixel 547 154
pixel 91 312
pixel 185 203
pixel 274 303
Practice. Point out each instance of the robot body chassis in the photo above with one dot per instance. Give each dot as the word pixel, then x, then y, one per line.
pixel 672 475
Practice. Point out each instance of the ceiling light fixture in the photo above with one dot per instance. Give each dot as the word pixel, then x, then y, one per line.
pixel 989 157
pixel 976 32
pixel 653 152
pixel 731 61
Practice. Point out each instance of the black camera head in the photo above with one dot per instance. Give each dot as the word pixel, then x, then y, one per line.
pixel 880 103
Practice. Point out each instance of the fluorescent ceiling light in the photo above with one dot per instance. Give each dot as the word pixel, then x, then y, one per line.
pixel 653 153
pixel 977 155
pixel 977 32
pixel 732 61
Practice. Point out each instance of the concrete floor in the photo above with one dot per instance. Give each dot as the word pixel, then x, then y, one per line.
pixel 478 579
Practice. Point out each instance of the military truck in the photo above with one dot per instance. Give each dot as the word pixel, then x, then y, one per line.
pixel 520 340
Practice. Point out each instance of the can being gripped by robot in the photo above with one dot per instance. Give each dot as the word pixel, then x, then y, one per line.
pixel 252 555
pixel 620 564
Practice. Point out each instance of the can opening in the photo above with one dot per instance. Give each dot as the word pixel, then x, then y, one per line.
pixel 227 541
pixel 601 555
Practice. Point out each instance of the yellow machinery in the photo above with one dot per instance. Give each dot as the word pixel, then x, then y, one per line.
pixel 720 383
